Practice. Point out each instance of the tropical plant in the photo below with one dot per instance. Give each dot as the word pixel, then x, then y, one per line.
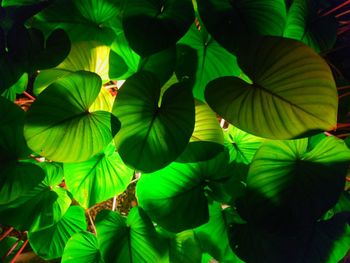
pixel 231 117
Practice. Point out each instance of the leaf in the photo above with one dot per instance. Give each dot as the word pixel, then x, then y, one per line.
pixel 212 60
pixel 304 23
pixel 17 179
pixel 184 247
pixel 229 21
pixel 131 240
pixel 174 196
pixel 152 130
pixel 12 143
pixel 5 246
pixel 85 55
pixel 325 241
pixel 104 101
pixel 60 117
pixel 98 179
pixel 292 184
pixel 16 88
pixel 151 26
pixel 213 236
pixel 82 247
pixel 292 95
pixel 72 222
pixel 86 20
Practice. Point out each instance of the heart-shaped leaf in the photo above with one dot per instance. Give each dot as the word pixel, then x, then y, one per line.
pixel 153 25
pixel 98 179
pixel 82 247
pixel 151 131
pixel 212 60
pixel 60 118
pixel 292 95
pixel 72 222
pixel 228 20
pixel 174 197
pixel 131 240
pixel 304 23
pixel 293 183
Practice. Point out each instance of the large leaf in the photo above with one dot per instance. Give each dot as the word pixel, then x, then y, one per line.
pixel 86 20
pixel 212 60
pixel 16 88
pixel 72 222
pixel 174 197
pixel 325 241
pixel 153 25
pixel 85 55
pixel 213 236
pixel 82 247
pixel 12 142
pixel 304 23
pixel 293 183
pixel 60 118
pixel 131 240
pixel 98 179
pixel 152 130
pixel 293 92
pixel 228 21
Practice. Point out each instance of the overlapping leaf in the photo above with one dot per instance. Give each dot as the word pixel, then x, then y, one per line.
pixel 101 177
pixel 293 92
pixel 152 130
pixel 60 118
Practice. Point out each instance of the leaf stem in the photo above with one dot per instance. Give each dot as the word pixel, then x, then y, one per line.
pixel 12 249
pixel 343 125
pixel 28 95
pixel 19 251
pixel 344 87
pixel 114 205
pixel 344 95
pixel 336 8
pixel 92 222
pixel 8 231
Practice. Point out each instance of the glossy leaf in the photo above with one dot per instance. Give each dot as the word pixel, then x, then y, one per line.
pixel 304 23
pixel 131 240
pixel 82 247
pixel 228 21
pixel 292 95
pixel 16 88
pixel 212 60
pixel 60 118
pixel 98 179
pixel 174 197
pixel 72 222
pixel 293 183
pixel 12 142
pixel 326 241
pixel 85 55
pixel 184 247
pixel 152 130
pixel 151 26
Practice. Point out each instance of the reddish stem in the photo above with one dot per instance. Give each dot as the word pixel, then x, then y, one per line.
pixel 28 95
pixel 12 248
pixel 8 231
pixel 344 95
pixel 344 87
pixel 19 251
pixel 343 135
pixel 336 8
pixel 343 125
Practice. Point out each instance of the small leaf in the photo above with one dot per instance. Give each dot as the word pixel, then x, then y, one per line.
pixel 293 92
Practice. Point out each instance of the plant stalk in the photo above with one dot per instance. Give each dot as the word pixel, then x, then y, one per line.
pixel 19 251
pixel 8 231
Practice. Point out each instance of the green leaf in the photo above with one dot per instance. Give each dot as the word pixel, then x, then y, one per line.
pixel 85 55
pixel 60 117
pixel 228 21
pixel 16 88
pixel 151 26
pixel 174 197
pixel 17 179
pixel 293 183
pixel 98 179
pixel 104 101
pixel 12 142
pixel 292 95
pixel 212 60
pixel 184 247
pixel 151 131
pixel 213 236
pixel 131 240
pixel 72 222
pixel 82 247
pixel 325 241
pixel 304 23
pixel 86 20
pixel 5 246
